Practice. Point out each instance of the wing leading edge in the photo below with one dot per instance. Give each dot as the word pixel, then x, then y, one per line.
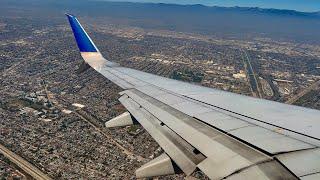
pixel 203 128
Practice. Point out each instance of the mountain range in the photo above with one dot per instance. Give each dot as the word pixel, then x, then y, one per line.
pixel 270 11
pixel 225 22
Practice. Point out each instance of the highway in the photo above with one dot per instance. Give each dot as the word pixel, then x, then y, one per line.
pixel 23 164
pixel 251 76
pixel 304 92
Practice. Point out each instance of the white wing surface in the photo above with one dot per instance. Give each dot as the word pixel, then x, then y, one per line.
pixel 225 135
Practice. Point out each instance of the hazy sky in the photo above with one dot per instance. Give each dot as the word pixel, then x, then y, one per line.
pixel 300 5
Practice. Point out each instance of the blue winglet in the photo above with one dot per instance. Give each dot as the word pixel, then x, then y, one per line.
pixel 84 42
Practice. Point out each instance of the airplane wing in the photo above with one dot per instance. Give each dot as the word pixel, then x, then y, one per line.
pixel 225 135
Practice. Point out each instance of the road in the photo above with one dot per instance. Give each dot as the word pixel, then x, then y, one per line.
pixel 304 92
pixel 251 76
pixel 275 89
pixel 23 164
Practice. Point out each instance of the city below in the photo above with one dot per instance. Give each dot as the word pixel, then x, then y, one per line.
pixel 52 114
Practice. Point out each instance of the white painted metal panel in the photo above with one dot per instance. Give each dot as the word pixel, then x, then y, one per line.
pixel 162 165
pixel 123 119
pixel 311 177
pixel 118 81
pixel 220 169
pixel 269 170
pixel 254 173
pixel 132 80
pixel 298 119
pixel 220 148
pixel 302 162
pixel 170 99
pixel 138 74
pixel 270 127
pixel 301 120
pixel 167 139
pixel 290 117
pixel 269 141
pixel 222 121
pixel 151 90
pixel 191 108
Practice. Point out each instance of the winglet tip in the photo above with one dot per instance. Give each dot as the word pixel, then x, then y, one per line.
pixel 84 42
pixel 69 15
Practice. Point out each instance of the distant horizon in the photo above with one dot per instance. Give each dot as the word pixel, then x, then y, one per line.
pixel 296 5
